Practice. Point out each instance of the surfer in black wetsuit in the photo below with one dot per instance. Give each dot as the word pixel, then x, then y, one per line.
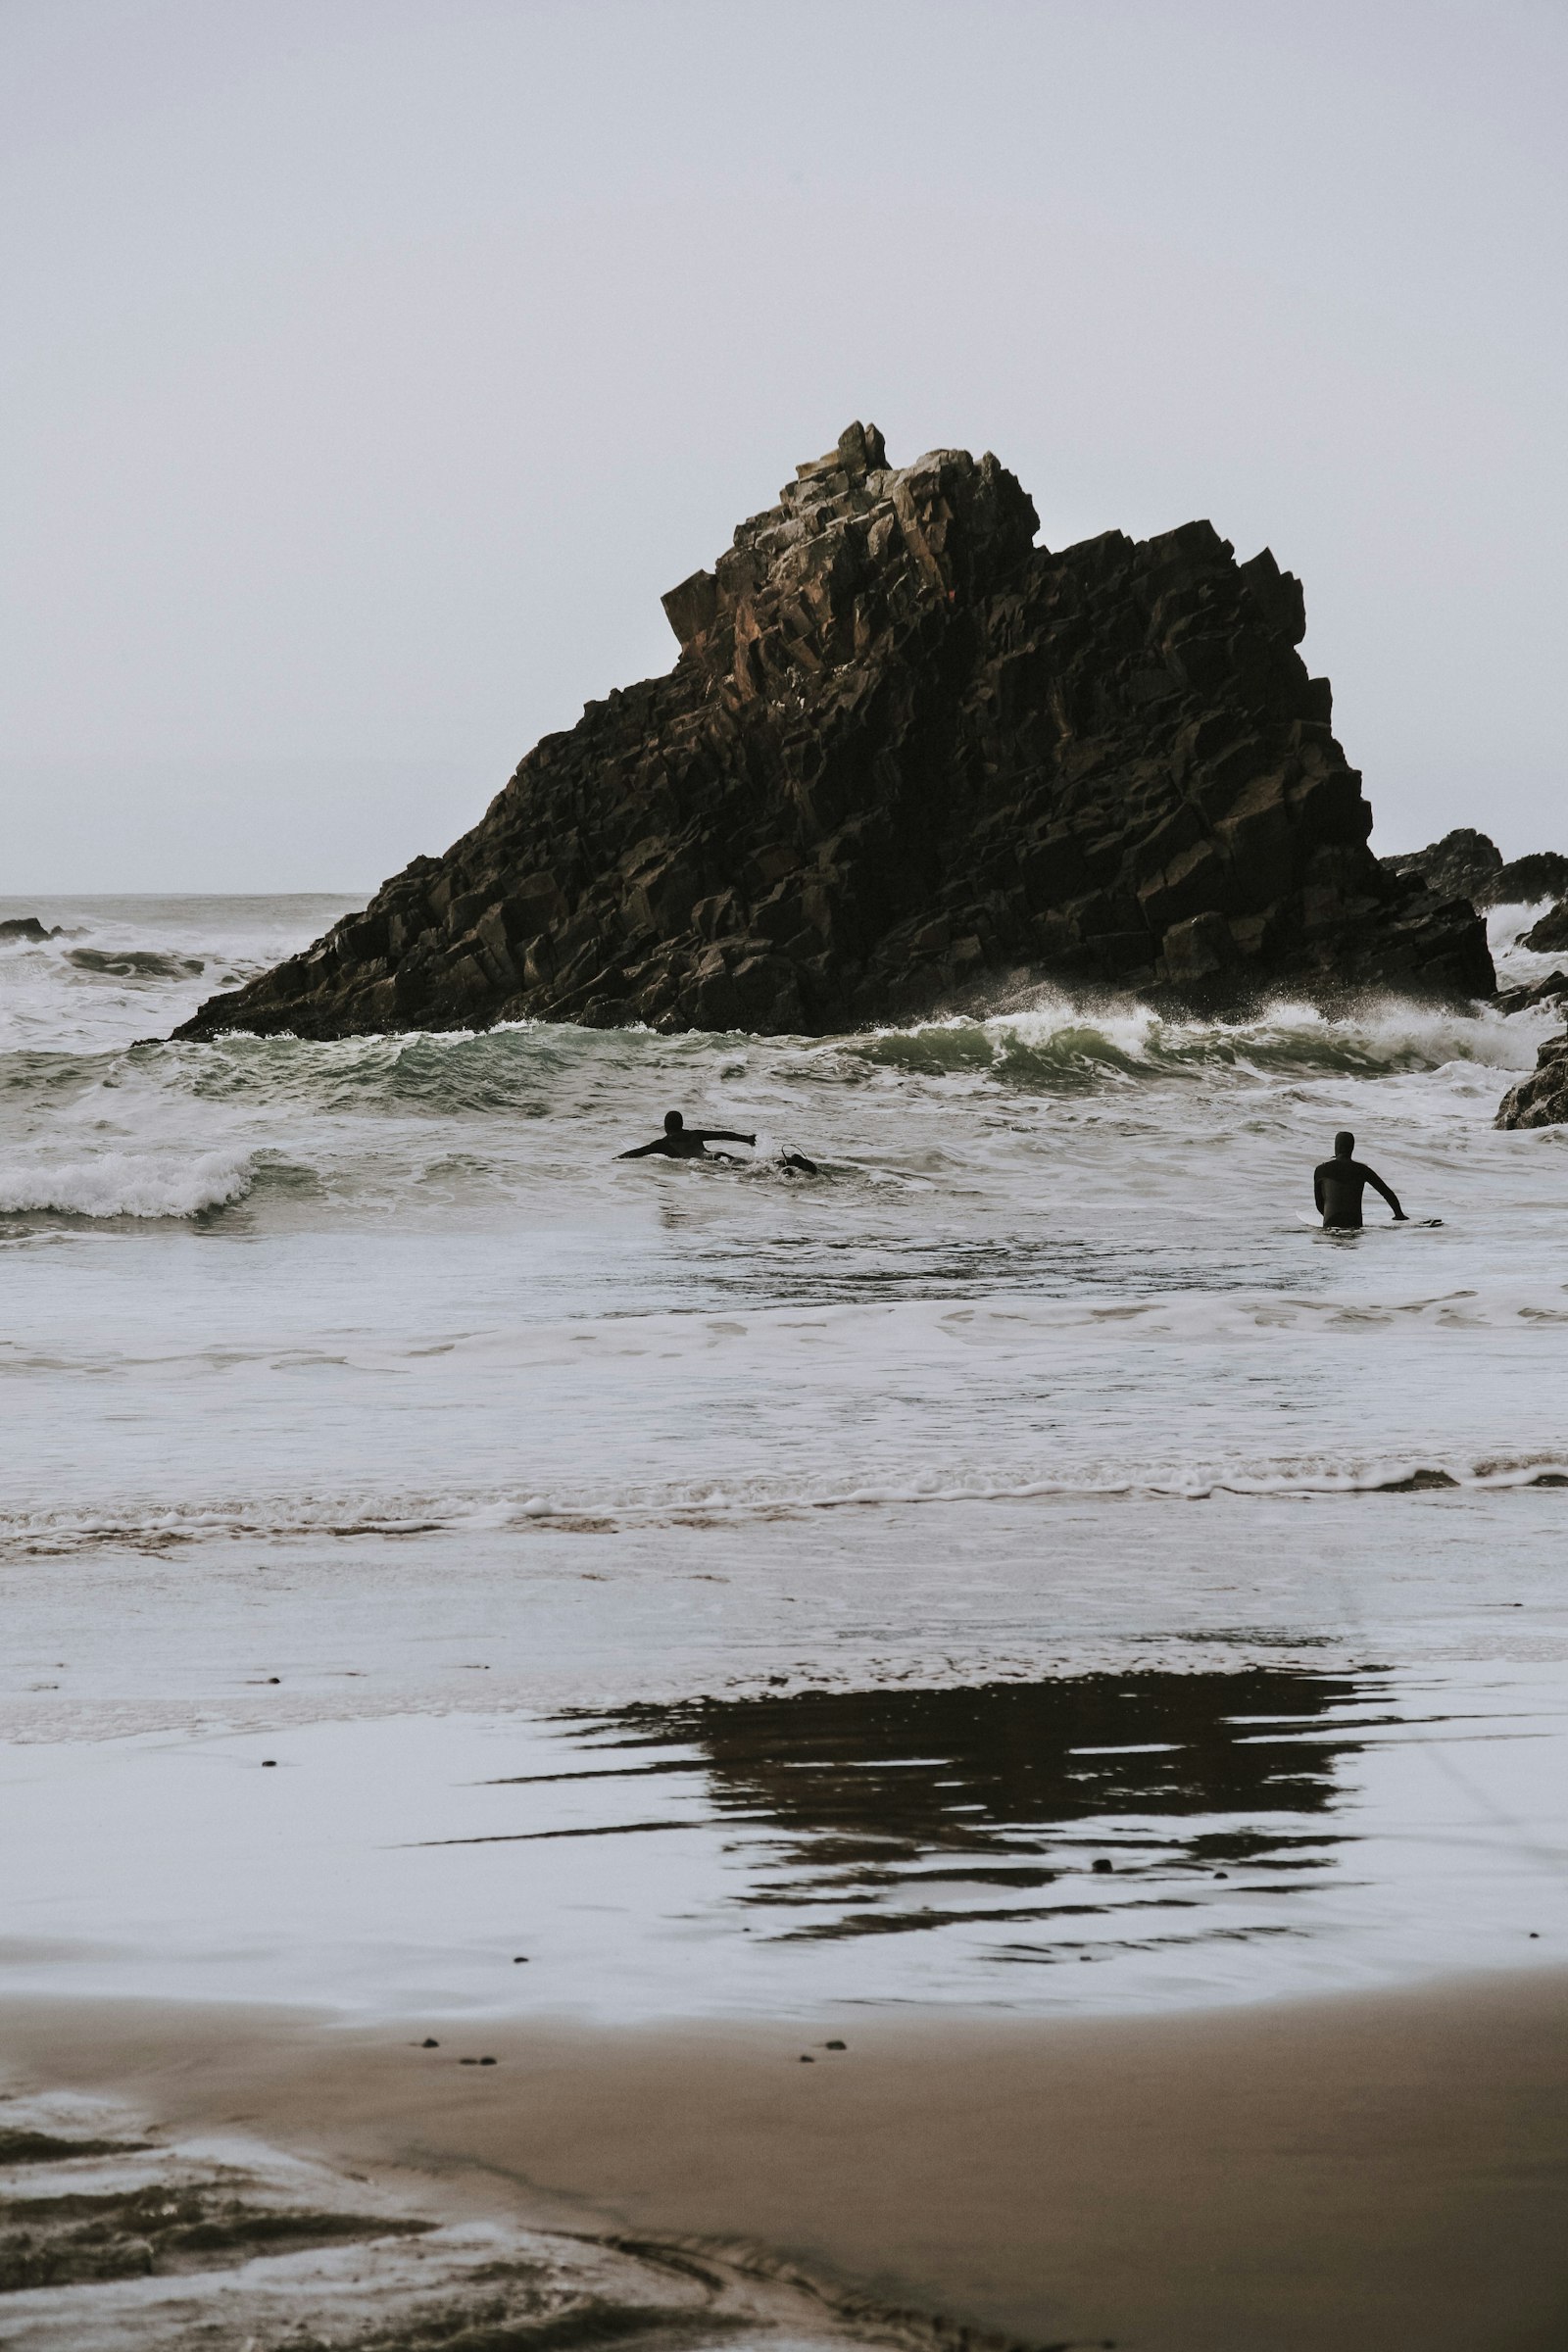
pixel 1339 1183
pixel 680 1142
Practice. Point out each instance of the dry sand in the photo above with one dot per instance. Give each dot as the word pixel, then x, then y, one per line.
pixel 1383 2170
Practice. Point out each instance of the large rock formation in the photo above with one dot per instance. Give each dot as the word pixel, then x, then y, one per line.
pixel 906 755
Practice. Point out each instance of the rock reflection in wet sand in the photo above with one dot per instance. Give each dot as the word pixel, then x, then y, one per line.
pixel 1054 1802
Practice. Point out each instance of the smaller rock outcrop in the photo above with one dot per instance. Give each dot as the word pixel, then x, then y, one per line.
pixel 1541 1099
pixel 1461 866
pixel 26 927
pixel 1467 864
pixel 1544 874
pixel 1539 992
pixel 1551 933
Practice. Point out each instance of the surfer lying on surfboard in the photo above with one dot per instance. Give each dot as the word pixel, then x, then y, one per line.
pixel 1339 1183
pixel 680 1142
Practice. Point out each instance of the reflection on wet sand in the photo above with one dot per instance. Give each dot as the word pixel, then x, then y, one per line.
pixel 1067 1800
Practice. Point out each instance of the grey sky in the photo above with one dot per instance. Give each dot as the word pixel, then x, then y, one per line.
pixel 370 366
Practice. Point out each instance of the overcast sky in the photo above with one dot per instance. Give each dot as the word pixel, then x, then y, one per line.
pixel 369 366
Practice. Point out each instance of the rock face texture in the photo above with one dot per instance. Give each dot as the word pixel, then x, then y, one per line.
pixel 906 756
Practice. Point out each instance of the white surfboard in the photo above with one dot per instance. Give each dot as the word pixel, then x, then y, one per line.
pixel 1309 1216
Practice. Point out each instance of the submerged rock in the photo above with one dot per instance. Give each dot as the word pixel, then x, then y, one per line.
pixel 907 758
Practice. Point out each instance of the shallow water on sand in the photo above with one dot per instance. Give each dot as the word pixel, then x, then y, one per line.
pixel 364 1411
pixel 1186 1837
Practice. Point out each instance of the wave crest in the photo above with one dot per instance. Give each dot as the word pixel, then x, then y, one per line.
pixel 1061 1048
pixel 124 1184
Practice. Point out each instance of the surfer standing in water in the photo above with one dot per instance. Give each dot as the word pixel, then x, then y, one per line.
pixel 680 1142
pixel 1339 1183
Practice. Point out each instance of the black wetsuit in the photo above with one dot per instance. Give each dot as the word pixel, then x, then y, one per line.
pixel 680 1142
pixel 1337 1187
pixel 686 1142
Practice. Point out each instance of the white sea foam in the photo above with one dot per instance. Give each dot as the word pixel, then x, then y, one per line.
pixel 1055 1251
pixel 1056 1044
pixel 123 1184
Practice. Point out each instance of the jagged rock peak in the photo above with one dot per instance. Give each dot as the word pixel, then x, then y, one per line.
pixel 840 519
pixel 907 758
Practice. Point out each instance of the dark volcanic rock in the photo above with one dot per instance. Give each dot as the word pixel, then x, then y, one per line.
pixel 1466 864
pixel 1541 1099
pixel 1539 992
pixel 26 926
pixel 904 755
pixel 1551 933
pixel 1544 874
pixel 1462 865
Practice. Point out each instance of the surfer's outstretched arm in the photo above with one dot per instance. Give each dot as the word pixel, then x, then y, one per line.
pixel 1378 1186
pixel 642 1151
pixel 720 1135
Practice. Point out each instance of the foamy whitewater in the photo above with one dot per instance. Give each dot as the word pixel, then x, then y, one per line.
pixel 364 1415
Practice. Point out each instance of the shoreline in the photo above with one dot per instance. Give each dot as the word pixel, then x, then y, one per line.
pixel 1363 2167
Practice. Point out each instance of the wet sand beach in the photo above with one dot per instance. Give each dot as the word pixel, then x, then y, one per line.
pixel 1386 2169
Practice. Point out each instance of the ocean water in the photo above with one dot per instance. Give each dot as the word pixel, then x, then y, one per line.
pixel 1029 1540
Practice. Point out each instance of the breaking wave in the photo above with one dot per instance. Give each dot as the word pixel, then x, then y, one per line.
pixel 1058 1048
pixel 123 1184
pixel 532 1069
